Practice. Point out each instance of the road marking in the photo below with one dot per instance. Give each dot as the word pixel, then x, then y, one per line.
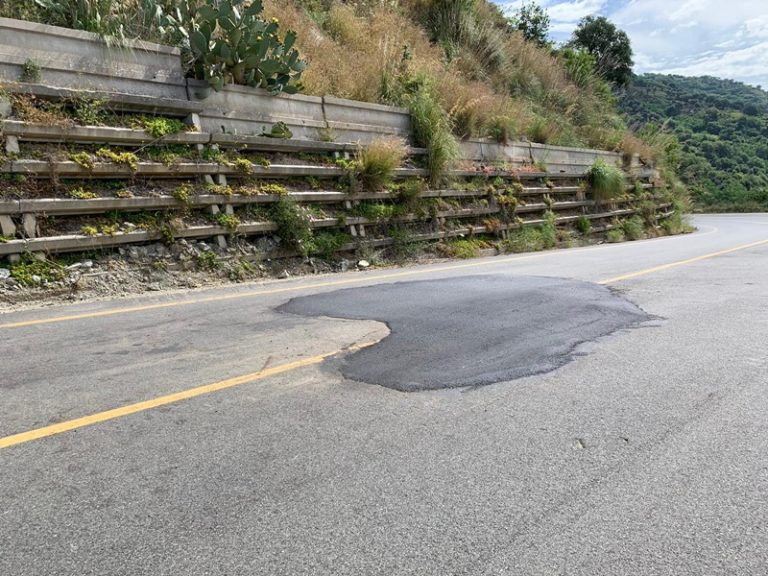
pixel 681 262
pixel 330 283
pixel 129 409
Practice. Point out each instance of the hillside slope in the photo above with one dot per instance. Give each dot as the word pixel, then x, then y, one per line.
pixel 489 80
pixel 722 127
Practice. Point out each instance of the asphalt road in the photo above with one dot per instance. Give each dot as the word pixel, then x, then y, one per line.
pixel 645 453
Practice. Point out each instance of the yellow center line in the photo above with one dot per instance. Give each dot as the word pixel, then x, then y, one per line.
pixel 681 262
pixel 129 409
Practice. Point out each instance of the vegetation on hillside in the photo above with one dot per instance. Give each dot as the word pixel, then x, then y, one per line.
pixel 722 127
pixel 479 67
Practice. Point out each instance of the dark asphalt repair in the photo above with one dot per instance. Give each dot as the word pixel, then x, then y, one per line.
pixel 473 330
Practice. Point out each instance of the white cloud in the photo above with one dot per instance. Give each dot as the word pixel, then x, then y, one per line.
pixel 574 11
pixel 699 37
pixel 748 64
pixel 757 27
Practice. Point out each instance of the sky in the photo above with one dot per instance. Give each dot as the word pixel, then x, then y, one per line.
pixel 723 38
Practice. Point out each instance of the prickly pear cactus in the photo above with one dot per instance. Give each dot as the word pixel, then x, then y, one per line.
pixel 227 42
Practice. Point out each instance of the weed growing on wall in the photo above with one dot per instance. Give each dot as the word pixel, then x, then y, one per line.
pixel 293 225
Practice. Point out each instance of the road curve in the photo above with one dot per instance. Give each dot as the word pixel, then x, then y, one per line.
pixel 646 454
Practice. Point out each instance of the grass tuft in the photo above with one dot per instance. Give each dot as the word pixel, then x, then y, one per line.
pixel 605 181
pixel 376 162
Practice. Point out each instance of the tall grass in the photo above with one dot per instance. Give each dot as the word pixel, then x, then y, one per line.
pixel 376 163
pixel 432 129
pixel 605 181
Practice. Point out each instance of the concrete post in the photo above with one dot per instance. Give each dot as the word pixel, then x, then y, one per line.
pixel 29 225
pixel 7 226
pixel 12 146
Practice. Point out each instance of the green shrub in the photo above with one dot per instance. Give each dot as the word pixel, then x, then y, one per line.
pixel 183 192
pixel 273 188
pixel 128 159
pixel 207 260
pixel 82 159
pixel 633 228
pixel 376 211
pixel 293 225
pixel 279 130
pixel 584 225
pixel 243 166
pixel 104 17
pixel 502 129
pixel 525 239
pixel 376 163
pixel 465 248
pixel 81 193
pixel 403 244
pixel 159 127
pixel 605 181
pixel 676 224
pixel 89 111
pixel 31 71
pixel 549 230
pixel 229 221
pixel 615 235
pixel 326 244
pixel 46 270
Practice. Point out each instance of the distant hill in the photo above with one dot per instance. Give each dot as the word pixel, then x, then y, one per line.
pixel 722 126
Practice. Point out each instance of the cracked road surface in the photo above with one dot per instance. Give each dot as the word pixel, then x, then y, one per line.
pixel 207 433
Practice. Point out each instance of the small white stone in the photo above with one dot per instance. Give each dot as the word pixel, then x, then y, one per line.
pixel 363 264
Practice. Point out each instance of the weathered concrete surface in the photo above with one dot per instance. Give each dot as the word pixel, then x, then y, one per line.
pixel 245 111
pixel 473 330
pixel 81 60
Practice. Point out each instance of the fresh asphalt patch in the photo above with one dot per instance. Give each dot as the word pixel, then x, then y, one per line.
pixel 473 330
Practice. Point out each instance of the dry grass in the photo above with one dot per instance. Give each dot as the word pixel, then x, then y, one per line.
pixel 354 57
pixel 491 82
pixel 631 145
pixel 377 162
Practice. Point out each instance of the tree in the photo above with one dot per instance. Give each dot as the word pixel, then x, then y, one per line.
pixel 533 22
pixel 608 45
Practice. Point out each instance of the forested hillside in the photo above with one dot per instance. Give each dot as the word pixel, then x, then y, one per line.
pixel 722 127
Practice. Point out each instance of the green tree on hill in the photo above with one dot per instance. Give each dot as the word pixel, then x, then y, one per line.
pixel 609 46
pixel 532 21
